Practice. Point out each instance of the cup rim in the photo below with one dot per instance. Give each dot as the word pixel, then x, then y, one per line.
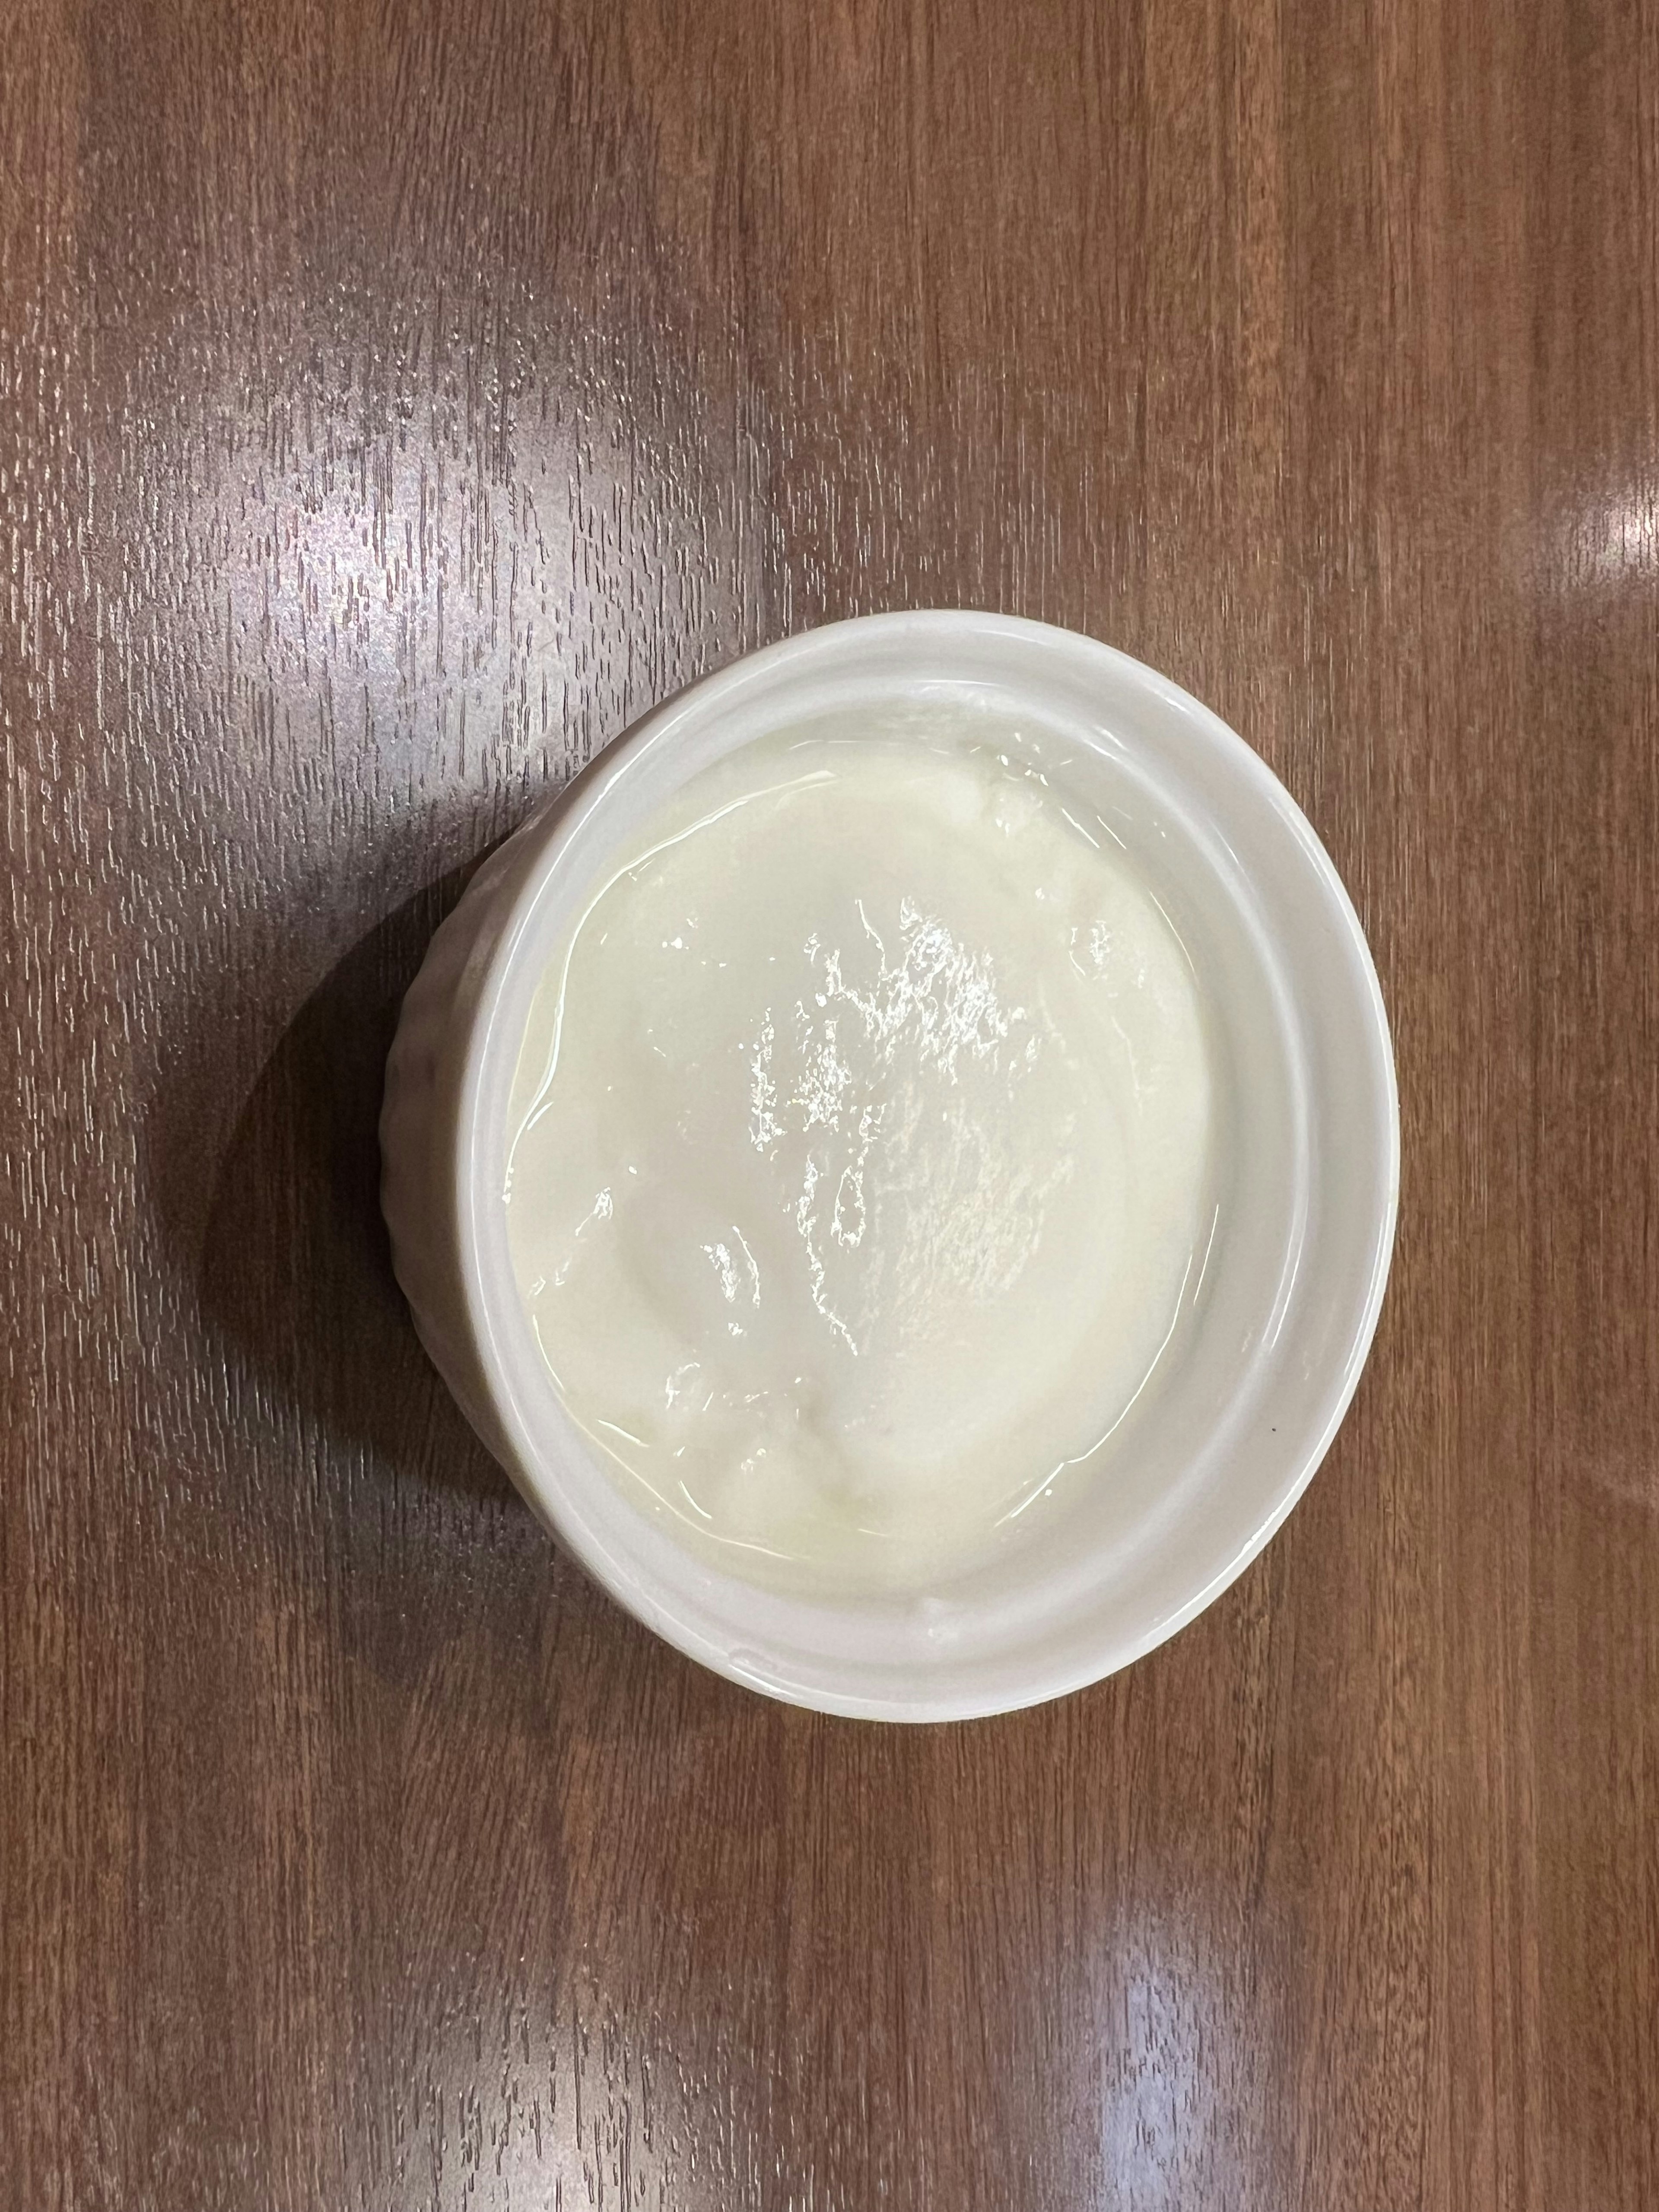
pixel 576 818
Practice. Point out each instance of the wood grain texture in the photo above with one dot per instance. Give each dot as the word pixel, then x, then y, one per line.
pixel 393 401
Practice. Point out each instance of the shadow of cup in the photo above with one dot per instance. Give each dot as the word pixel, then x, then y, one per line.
pixel 295 1274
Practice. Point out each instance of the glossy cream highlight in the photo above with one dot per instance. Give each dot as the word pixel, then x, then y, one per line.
pixel 859 1156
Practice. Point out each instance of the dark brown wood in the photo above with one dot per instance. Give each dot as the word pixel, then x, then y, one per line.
pixel 393 401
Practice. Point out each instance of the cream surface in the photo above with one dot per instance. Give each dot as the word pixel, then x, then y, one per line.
pixel 859 1156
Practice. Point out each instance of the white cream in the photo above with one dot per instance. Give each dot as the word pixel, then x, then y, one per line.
pixel 859 1155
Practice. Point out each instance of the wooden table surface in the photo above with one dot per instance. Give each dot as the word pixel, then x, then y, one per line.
pixel 394 400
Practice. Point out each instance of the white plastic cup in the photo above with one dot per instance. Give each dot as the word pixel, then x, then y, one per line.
pixel 1292 1282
